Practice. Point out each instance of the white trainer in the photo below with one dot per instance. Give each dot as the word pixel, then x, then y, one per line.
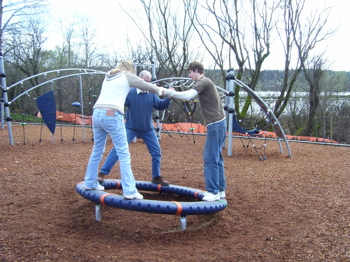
pixel 222 194
pixel 98 187
pixel 211 197
pixel 136 195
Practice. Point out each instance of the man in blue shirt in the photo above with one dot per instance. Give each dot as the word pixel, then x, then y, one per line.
pixel 139 124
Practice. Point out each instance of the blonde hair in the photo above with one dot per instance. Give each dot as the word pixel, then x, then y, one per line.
pixel 126 66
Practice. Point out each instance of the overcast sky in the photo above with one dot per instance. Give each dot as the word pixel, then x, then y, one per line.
pixel 107 15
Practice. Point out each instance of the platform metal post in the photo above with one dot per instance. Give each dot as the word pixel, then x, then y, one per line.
pixel 98 212
pixel 183 222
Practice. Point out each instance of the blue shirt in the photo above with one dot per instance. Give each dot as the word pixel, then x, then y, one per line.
pixel 140 109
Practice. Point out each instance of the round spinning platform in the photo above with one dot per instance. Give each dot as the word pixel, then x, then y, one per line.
pixel 197 207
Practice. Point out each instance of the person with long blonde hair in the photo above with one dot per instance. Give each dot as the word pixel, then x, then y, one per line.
pixel 139 124
pixel 108 119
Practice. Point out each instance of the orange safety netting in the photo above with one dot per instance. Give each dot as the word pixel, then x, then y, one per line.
pixel 72 118
pixel 183 127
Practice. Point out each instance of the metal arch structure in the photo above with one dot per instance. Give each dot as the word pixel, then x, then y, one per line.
pixel 69 72
pixel 280 135
pixel 177 82
pixel 174 82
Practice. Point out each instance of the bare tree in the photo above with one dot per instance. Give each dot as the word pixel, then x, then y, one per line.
pixel 11 12
pixel 68 32
pixel 300 35
pixel 87 36
pixel 24 56
pixel 25 46
pixel 167 34
pixel 313 74
pixel 244 30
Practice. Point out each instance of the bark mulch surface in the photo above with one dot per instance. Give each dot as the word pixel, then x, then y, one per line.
pixel 281 209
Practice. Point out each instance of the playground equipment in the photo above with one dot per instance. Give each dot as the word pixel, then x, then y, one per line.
pixel 186 83
pixel 178 83
pixel 271 118
pixel 175 82
pixel 181 209
pixel 47 107
pixel 58 75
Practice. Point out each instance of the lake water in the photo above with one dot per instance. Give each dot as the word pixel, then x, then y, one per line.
pixel 299 100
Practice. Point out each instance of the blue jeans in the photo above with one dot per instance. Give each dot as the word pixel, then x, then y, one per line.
pixel 113 125
pixel 214 173
pixel 152 143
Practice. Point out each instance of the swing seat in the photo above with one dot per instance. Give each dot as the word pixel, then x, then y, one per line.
pixel 251 133
pixel 236 126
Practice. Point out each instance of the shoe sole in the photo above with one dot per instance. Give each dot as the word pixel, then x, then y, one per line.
pixel 211 200
pixel 133 198
pixel 163 184
pixel 86 188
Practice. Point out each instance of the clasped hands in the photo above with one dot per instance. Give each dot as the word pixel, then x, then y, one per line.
pixel 167 92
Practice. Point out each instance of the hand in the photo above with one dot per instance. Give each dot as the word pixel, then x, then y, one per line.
pixel 168 91
pixel 161 91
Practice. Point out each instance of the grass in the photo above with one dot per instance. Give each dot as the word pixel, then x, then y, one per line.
pixel 24 118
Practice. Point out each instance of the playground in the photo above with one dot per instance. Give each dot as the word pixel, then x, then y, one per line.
pixel 281 209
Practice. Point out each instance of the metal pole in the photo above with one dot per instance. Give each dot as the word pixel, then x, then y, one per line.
pixel 2 111
pixel 158 121
pixel 183 222
pixel 229 87
pixel 5 98
pixel 324 127
pixel 331 127
pixel 98 212
pixel 82 107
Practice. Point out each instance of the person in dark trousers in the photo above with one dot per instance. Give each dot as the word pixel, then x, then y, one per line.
pixel 215 121
pixel 139 124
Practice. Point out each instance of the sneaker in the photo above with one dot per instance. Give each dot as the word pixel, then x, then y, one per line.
pixel 98 187
pixel 222 194
pixel 211 197
pixel 101 177
pixel 136 195
pixel 160 180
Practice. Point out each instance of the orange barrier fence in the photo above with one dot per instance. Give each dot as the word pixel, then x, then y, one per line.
pixel 72 118
pixel 290 137
pixel 183 127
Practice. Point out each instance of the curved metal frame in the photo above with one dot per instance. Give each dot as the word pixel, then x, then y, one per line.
pixel 168 82
pixel 81 71
pixel 280 135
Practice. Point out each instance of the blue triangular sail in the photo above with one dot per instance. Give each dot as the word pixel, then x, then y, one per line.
pixel 47 107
